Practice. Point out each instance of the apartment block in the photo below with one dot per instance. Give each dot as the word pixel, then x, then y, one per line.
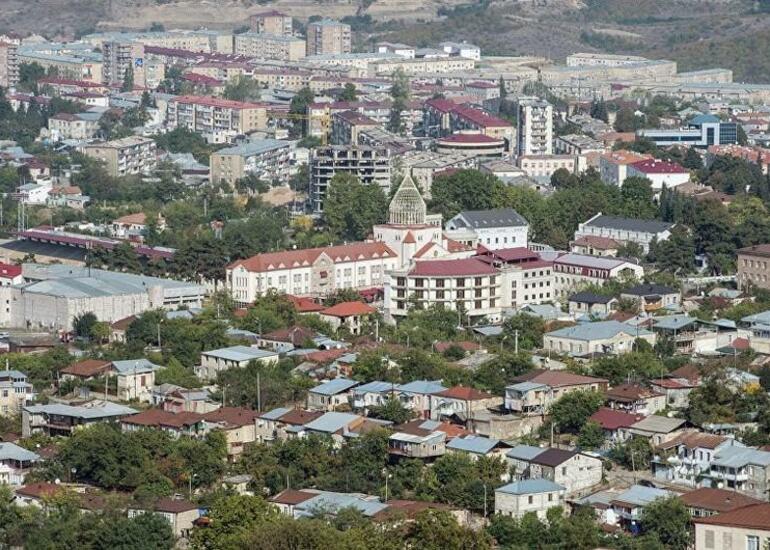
pixel 328 37
pixel 271 22
pixel 371 165
pixel 275 47
pixel 118 57
pixel 122 157
pixel 9 64
pixel 535 127
pixel 312 271
pixel 545 165
pixel 218 120
pixel 753 267
pixel 267 159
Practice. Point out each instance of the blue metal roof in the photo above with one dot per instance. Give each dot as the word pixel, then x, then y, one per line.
pixel 601 330
pixel 11 451
pixel 240 353
pixel 762 318
pixel 333 502
pixel 422 386
pixel 376 386
pixel 738 457
pixel 134 366
pixel 333 387
pixel 530 486
pixel 275 414
pixel 524 452
pixel 673 322
pixel 473 444
pixel 640 495
pixel 331 422
pixel 525 386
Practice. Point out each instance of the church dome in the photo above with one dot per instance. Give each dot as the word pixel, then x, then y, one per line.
pixel 407 206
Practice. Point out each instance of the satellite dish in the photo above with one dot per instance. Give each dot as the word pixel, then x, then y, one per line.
pixel 57 481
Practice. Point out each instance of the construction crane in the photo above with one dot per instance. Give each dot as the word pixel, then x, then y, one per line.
pixel 323 120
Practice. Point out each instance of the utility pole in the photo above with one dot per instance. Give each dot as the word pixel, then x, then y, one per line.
pixel 485 500
pixel 516 341
pixel 259 394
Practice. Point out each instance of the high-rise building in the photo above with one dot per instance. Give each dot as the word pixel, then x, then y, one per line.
pixel 276 47
pixel 328 37
pixel 535 127
pixel 371 165
pixel 271 22
pixel 118 57
pixel 9 64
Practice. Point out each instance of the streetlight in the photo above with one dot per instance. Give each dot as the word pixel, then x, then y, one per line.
pixel 190 480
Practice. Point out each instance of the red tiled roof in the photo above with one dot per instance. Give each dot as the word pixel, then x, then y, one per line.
pixel 693 440
pixel 86 368
pixel 304 305
pixel 657 166
pixel 299 417
pixel 216 102
pixel 558 378
pixel 159 418
pixel 469 138
pixel 456 246
pixel 717 500
pixel 9 271
pixel 232 416
pixel 669 383
pixel 611 419
pixel 452 268
pixel 174 505
pixel 294 335
pixel 325 355
pixel 298 258
pixel 441 347
pixel 348 309
pixel 465 393
pixel 409 238
pixel 290 497
pixel 196 78
pixel 753 516
pixel 601 243
pixel 38 490
pixel 630 392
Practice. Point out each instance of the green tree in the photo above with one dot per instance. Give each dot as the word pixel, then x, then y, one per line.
pixel 391 410
pixel 83 324
pixel 591 435
pixel 143 532
pixel 352 208
pixel 668 521
pixel 232 519
pixel 298 106
pixel 599 110
pixel 439 530
pixel 526 329
pixel 242 88
pixel 464 190
pixel 128 80
pixel 571 411
pixel 349 92
pixel 675 255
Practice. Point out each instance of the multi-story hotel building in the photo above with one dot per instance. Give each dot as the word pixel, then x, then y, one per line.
pixel 122 157
pixel 573 271
pixel 469 286
pixel 271 22
pixel 311 272
pixel 267 159
pixel 217 120
pixel 328 37
pixel 753 267
pixel 9 64
pixel 270 46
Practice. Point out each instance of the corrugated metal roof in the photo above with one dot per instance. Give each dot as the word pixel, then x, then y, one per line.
pixel 239 353
pixel 11 451
pixel 601 330
pixel 333 387
pixel 101 410
pixel 331 422
pixel 524 452
pixel 376 386
pixel 640 495
pixel 421 386
pixel 530 486
pixel 134 366
pixel 473 444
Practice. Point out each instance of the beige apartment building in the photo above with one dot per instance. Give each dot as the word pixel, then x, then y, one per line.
pixel 270 46
pixel 9 64
pixel 122 157
pixel 328 37
pixel 271 22
pixel 215 119
pixel 267 159
pixel 118 57
pixel 753 267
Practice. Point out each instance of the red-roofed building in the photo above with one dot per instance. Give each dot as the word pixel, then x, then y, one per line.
pixel 348 314
pixel 10 274
pixel 462 400
pixel 238 424
pixel 447 117
pixel 475 143
pixel 176 424
pixel 595 245
pixel 311 271
pixel 746 527
pixel 660 173
pixel 304 305
pixel 215 118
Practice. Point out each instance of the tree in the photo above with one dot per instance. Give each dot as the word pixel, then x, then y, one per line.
pixel 242 88
pixel 571 411
pixel 525 329
pixel 83 324
pixel 101 332
pixel 146 531
pixel 439 530
pixel 391 410
pixel 399 93
pixel 675 255
pixel 634 454
pixel 298 107
pixel 232 518
pixel 352 208
pixel 464 190
pixel 128 80
pixel 349 92
pixel 599 110
pixel 668 521
pixel 591 435
pixel 692 160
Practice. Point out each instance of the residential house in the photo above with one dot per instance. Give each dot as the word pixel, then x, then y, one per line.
pixel 743 469
pixel 286 339
pixel 330 395
pixel 575 471
pixel 135 377
pixel 635 399
pixel 412 440
pixel 661 174
pixel 15 461
pixel 520 459
pixel 590 304
pixel 626 230
pixel 282 423
pixel 589 339
pixel 652 297
pixel 175 424
pixel 686 459
pixel 657 429
pixel 184 400
pixel 15 392
pixel 708 501
pixel 10 274
pixel 350 315
pixel 752 267
pixel 593 245
pixel 372 394
pixel 476 446
pixel 461 399
pixel 337 425
pixel 528 496
pixel 615 424
pixel 238 424
pixel 181 514
pixel 533 392
pixel 677 386
pixel 629 505
pixel 416 395
pixel 60 419
pixel 215 361
pixel 746 527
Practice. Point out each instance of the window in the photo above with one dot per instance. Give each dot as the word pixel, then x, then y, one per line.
pixel 439 283
pixel 709 538
pixel 550 497
pixel 530 499
pixel 752 542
